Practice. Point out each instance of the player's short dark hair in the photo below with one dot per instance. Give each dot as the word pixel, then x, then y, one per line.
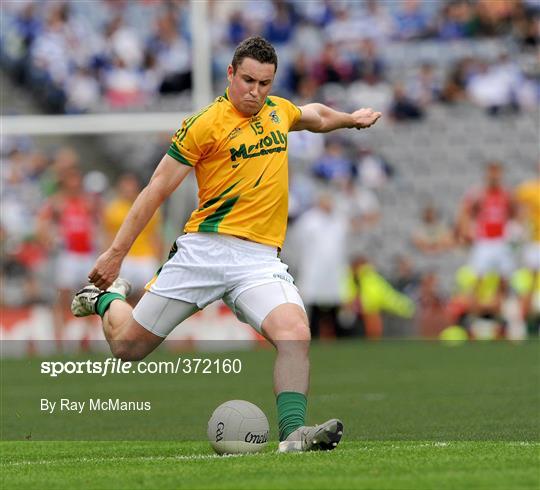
pixel 256 48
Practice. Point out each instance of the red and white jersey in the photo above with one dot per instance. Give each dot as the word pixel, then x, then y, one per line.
pixel 75 218
pixel 491 209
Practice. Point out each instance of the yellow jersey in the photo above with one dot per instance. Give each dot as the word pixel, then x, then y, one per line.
pixel 145 244
pixel 241 168
pixel 528 196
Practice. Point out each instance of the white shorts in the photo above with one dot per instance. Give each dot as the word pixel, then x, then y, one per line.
pixel 492 256
pixel 531 256
pixel 72 269
pixel 248 276
pixel 139 270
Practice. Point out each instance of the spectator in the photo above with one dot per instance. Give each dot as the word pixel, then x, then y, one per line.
pixel 319 14
pixel 20 198
pixel 307 89
pixel 238 30
pixel 456 81
pixel 494 87
pixel 527 28
pixel 280 28
pixel 122 42
pixel 297 72
pixel 369 66
pixel 372 169
pixel 332 67
pixel 28 26
pixel 334 164
pixel 123 86
pixel 343 30
pixel 426 87
pixel 402 107
pixel 82 91
pixel 456 20
pixel 374 22
pixel 494 18
pixel 432 236
pixel 410 22
pixel 173 56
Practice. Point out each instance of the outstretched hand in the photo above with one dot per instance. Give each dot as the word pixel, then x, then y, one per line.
pixel 106 269
pixel 365 117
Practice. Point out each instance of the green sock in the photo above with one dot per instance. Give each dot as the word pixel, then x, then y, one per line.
pixel 291 407
pixel 105 300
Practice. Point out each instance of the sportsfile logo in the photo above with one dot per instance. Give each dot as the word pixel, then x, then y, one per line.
pixel 275 142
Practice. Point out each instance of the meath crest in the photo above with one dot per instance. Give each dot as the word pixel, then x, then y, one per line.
pixel 274 117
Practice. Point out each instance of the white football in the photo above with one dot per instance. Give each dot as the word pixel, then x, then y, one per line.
pixel 238 426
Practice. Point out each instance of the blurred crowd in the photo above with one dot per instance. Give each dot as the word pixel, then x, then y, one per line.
pixel 110 55
pixel 56 218
pixel 120 54
pixel 495 292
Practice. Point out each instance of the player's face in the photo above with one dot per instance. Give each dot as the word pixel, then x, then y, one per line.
pixel 494 176
pixel 250 85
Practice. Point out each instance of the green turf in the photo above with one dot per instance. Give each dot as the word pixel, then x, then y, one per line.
pixel 374 465
pixel 417 415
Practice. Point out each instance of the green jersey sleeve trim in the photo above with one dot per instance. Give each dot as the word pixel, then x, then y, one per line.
pixel 173 152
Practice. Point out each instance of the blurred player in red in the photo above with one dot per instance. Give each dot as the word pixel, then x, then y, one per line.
pixel 68 229
pixel 483 219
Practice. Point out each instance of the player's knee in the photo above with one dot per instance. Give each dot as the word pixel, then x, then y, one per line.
pixel 287 322
pixel 294 333
pixel 299 330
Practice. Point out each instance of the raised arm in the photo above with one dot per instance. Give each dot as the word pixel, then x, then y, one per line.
pixel 320 118
pixel 168 175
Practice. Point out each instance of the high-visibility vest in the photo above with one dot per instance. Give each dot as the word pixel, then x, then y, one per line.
pixel 375 293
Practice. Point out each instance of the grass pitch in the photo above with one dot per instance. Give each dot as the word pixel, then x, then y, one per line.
pixel 417 415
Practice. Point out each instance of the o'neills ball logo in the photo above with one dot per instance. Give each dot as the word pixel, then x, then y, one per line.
pixel 219 431
pixel 256 438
